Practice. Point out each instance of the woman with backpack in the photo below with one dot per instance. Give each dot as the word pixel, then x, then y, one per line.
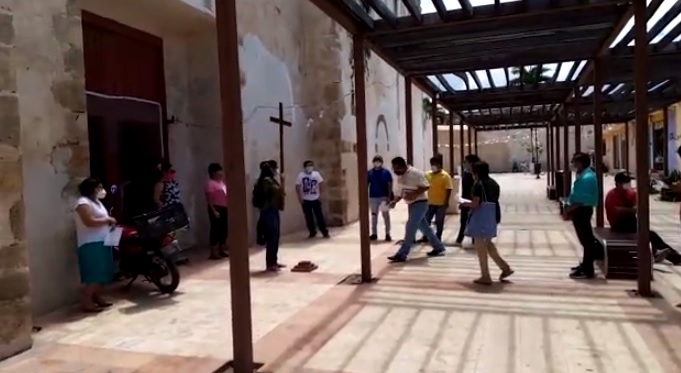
pixel 268 197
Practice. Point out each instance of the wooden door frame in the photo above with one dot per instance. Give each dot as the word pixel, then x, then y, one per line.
pixel 147 38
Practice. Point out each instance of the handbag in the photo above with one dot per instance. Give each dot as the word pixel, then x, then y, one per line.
pixel 482 222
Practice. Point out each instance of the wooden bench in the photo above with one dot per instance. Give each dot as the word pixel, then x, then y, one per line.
pixel 620 261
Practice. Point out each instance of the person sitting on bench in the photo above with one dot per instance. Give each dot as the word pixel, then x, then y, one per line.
pixel 620 209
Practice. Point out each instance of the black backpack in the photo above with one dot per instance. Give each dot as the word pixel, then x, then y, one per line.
pixel 258 198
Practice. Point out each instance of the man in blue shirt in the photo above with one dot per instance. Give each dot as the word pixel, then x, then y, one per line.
pixel 580 208
pixel 380 192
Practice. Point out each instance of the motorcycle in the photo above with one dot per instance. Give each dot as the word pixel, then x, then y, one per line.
pixel 147 247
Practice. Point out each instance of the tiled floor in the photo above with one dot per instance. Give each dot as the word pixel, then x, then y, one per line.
pixel 423 316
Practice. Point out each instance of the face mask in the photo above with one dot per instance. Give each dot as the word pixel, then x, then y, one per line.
pixel 435 168
pixel 626 186
pixel 309 169
pixel 399 172
pixel 378 164
pixel 101 194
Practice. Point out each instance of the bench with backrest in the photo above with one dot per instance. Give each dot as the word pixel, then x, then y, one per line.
pixel 620 261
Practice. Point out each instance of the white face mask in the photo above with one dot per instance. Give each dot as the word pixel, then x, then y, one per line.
pixel 435 168
pixel 101 194
pixel 378 164
pixel 309 169
pixel 626 186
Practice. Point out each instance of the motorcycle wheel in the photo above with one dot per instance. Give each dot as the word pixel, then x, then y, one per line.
pixel 164 274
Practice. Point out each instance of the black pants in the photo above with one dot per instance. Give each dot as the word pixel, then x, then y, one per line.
pixel 464 220
pixel 581 220
pixel 271 223
pixel 260 237
pixel 313 211
pixel 439 213
pixel 630 225
pixel 218 226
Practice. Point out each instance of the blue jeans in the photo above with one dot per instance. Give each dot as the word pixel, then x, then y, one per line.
pixel 374 204
pixel 417 222
pixel 437 212
pixel 270 225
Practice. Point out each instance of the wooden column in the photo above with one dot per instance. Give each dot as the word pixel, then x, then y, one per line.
pixel 470 140
pixel 452 164
pixel 358 44
pixel 626 148
pixel 461 150
pixel 548 158
pixel 598 137
pixel 559 155
pixel 475 142
pixel 234 161
pixel 409 120
pixel 665 145
pixel 567 176
pixel 578 119
pixel 433 116
pixel 552 153
pixel 642 161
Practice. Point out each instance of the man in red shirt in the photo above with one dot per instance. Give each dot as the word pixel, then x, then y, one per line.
pixel 620 209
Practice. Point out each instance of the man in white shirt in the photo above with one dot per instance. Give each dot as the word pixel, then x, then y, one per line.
pixel 413 186
pixel 309 189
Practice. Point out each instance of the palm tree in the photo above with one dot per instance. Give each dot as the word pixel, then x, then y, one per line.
pixel 532 76
pixel 428 110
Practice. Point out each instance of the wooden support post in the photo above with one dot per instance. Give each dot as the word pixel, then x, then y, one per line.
pixel 475 142
pixel 552 153
pixel 234 161
pixel 461 150
pixel 452 164
pixel 470 140
pixel 433 116
pixel 642 157
pixel 362 158
pixel 665 145
pixel 578 124
pixel 409 120
pixel 548 158
pixel 626 148
pixel 598 137
pixel 567 175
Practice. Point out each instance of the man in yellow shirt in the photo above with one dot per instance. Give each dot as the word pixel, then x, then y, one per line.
pixel 438 195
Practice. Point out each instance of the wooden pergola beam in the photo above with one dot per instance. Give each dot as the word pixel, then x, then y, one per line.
pixel 414 10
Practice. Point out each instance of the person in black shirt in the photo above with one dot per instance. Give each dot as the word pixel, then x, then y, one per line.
pixel 467 182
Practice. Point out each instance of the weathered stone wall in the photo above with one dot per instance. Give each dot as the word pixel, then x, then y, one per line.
pixel 15 312
pixel 54 142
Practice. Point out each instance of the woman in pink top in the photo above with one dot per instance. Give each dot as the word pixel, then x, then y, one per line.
pixel 216 197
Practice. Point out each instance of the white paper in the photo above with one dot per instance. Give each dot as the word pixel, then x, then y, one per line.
pixel 113 238
pixel 464 200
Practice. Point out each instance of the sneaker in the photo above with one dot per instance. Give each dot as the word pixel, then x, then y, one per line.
pixel 397 259
pixel 388 238
pixel 326 235
pixel 661 255
pixel 373 237
pixel 312 235
pixel 505 274
pixel 581 275
pixel 434 253
pixel 576 268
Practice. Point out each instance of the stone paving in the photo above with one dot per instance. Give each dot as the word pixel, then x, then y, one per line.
pixel 422 316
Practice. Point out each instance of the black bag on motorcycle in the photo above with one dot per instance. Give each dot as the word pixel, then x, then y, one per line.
pixel 162 222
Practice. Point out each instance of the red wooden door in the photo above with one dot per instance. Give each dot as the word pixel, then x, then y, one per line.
pixel 125 80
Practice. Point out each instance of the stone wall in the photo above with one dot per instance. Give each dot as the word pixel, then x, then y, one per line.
pixel 54 141
pixel 15 313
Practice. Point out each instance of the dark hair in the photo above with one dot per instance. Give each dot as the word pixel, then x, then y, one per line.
pixel 436 161
pixel 273 164
pixel 678 151
pixel 377 158
pixel 88 187
pixel 399 161
pixel 308 163
pixel 481 169
pixel 582 158
pixel 214 168
pixel 265 170
pixel 622 178
pixel 472 158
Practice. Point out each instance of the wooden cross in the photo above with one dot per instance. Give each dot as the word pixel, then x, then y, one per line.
pixel 281 122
